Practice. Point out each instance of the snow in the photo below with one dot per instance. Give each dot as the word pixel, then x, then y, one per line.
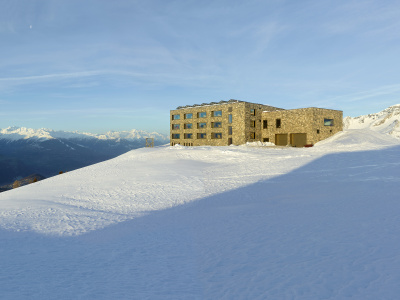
pixel 235 222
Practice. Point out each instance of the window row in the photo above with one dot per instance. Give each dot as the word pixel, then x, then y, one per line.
pixel 278 123
pixel 199 125
pixel 203 114
pixel 214 135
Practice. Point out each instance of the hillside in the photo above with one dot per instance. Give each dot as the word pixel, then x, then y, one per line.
pixel 234 222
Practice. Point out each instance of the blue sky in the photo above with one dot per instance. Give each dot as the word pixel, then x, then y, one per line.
pixel 118 65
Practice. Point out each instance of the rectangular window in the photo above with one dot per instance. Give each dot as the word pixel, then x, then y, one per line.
pixel 188 126
pixel 278 123
pixel 253 135
pixel 217 113
pixel 176 136
pixel 216 124
pixel 188 135
pixel 201 125
pixel 176 117
pixel 265 140
pixel 202 114
pixel 201 135
pixel 216 135
pixel 230 130
pixel 252 124
pixel 230 119
pixel 252 112
pixel 265 124
pixel 188 116
pixel 175 126
pixel 328 122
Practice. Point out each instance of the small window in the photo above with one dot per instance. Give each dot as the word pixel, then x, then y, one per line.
pixel 217 113
pixel 328 122
pixel 217 135
pixel 188 116
pixel 230 119
pixel 278 123
pixel 188 135
pixel 252 112
pixel 188 126
pixel 230 130
pixel 317 131
pixel 201 135
pixel 252 135
pixel 201 125
pixel 265 140
pixel 216 124
pixel 252 124
pixel 202 114
pixel 175 126
pixel 176 136
pixel 229 109
pixel 265 124
pixel 176 117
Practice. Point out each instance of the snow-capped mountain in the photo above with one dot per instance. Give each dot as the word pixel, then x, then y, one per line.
pixel 387 121
pixel 17 133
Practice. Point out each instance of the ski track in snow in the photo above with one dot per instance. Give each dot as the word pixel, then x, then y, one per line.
pixel 233 222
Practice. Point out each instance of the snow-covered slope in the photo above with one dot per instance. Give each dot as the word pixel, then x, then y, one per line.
pixel 232 222
pixel 386 121
pixel 18 133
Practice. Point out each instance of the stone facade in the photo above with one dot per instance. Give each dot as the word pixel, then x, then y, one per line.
pixel 226 123
pixel 299 127
pixel 237 122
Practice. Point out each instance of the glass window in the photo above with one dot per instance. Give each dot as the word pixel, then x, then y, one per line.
pixel 252 135
pixel 230 119
pixel 252 112
pixel 188 126
pixel 188 135
pixel 216 124
pixel 202 114
pixel 328 122
pixel 265 124
pixel 217 113
pixel 201 135
pixel 176 136
pixel 176 117
pixel 253 124
pixel 278 123
pixel 201 125
pixel 217 135
pixel 188 116
pixel 175 126
pixel 230 130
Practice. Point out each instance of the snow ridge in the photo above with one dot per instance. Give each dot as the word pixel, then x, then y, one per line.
pixel 15 133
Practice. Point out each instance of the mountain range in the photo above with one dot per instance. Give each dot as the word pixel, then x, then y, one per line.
pixel 24 151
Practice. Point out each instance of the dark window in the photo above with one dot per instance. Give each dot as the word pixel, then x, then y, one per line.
pixel 216 124
pixel 176 136
pixel 217 113
pixel 201 135
pixel 253 124
pixel 265 124
pixel 175 126
pixel 230 141
pixel 328 122
pixel 217 135
pixel 201 125
pixel 188 126
pixel 176 117
pixel 188 116
pixel 202 114
pixel 230 119
pixel 252 112
pixel 318 131
pixel 265 140
pixel 230 130
pixel 278 123
pixel 188 135
pixel 252 135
